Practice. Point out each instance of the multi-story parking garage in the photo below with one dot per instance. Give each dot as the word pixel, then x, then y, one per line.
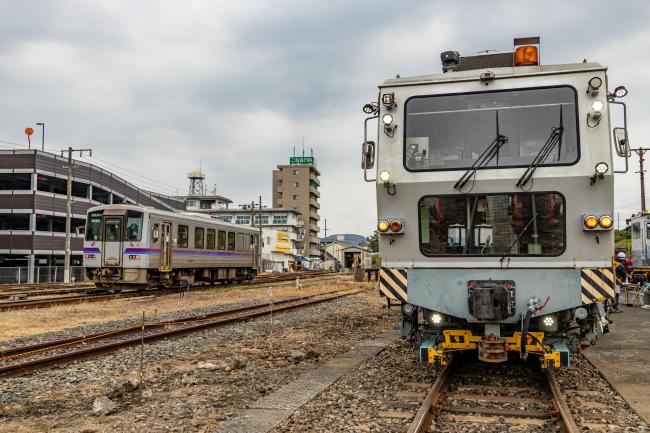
pixel 33 205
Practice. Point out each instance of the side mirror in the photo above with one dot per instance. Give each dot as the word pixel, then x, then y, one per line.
pixel 620 143
pixel 80 230
pixel 368 155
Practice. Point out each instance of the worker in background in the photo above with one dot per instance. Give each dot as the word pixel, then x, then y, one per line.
pixel 621 276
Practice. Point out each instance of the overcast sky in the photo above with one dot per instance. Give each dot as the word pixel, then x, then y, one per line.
pixel 159 87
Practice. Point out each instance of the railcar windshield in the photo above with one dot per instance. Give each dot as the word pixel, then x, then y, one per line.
pixel 94 226
pixel 134 226
pixel 508 224
pixel 450 132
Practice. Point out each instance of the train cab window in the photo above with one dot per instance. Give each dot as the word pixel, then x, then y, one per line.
pixel 183 236
pixel 231 241
pixel 451 132
pixel 199 234
pixel 94 227
pixel 134 226
pixel 508 224
pixel 210 239
pixel 221 240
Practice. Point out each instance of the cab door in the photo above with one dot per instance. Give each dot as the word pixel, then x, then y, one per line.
pixel 112 241
pixel 166 248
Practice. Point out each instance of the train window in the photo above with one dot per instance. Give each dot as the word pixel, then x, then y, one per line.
pixel 231 242
pixel 450 132
pixel 221 240
pixel 240 242
pixel 183 236
pixel 155 233
pixel 94 226
pixel 199 234
pixel 508 224
pixel 134 226
pixel 636 230
pixel 210 239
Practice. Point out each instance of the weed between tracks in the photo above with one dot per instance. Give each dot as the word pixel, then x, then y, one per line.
pixel 22 323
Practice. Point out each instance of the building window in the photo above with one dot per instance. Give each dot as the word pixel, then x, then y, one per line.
pixel 296 184
pixel 14 221
pixel 243 219
pixel 207 204
pixel 295 171
pixel 210 240
pixel 265 219
pixel 231 241
pixel 295 197
pixel 226 218
pixel 183 236
pixel 221 240
pixel 100 195
pixel 279 219
pixel 199 233
pixel 10 181
pixel 192 204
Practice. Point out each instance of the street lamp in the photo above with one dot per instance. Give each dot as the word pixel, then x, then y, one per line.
pixel 42 125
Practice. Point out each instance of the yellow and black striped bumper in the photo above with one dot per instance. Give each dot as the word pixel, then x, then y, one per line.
pixel 393 284
pixel 597 284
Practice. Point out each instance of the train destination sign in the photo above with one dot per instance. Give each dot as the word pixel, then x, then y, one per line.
pixel 299 160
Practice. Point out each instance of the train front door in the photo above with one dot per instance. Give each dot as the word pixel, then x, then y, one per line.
pixel 166 248
pixel 112 240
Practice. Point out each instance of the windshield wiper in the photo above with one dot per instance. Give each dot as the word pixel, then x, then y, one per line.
pixel 484 159
pixel 555 139
pixel 509 251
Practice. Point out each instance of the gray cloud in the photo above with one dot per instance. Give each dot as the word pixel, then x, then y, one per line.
pixel 161 86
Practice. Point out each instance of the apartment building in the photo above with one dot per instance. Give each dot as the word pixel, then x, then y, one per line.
pixel 295 186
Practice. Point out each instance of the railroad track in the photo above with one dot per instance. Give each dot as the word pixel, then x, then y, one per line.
pixel 22 360
pixel 82 298
pixel 467 393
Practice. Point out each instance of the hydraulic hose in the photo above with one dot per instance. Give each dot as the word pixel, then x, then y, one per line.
pixel 524 332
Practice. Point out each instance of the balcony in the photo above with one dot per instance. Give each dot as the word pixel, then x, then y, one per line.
pixel 314 191
pixel 314 203
pixel 314 215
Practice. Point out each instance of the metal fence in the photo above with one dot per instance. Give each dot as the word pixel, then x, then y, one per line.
pixel 42 274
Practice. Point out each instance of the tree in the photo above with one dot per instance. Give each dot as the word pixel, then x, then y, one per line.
pixel 373 243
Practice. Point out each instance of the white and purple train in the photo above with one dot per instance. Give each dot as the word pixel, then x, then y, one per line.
pixel 142 247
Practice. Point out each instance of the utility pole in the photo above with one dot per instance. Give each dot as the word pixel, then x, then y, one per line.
pixel 68 212
pixel 259 243
pixel 641 152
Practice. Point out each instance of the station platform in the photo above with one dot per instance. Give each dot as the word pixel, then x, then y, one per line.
pixel 623 357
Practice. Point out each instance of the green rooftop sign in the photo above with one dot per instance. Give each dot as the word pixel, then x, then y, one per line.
pixel 300 160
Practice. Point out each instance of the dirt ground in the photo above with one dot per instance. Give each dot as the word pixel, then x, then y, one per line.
pixel 22 323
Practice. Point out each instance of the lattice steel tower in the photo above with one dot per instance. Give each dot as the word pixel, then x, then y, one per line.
pixel 196 178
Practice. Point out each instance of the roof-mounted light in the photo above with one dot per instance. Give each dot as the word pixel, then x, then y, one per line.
pixel 526 55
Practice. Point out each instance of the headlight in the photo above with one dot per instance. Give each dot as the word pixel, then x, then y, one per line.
pixel 382 226
pixel 548 323
pixel 581 313
pixel 591 222
pixel 388 119
pixel 602 168
pixel 436 318
pixel 597 106
pixel 606 221
pixel 384 176
pixel 595 83
pixel 408 309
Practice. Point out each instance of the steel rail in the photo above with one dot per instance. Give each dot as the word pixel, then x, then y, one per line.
pixel 568 423
pixel 40 303
pixel 67 342
pixel 424 417
pixel 235 316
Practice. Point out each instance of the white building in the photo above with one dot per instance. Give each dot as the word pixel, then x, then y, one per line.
pixel 282 233
pixel 340 255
